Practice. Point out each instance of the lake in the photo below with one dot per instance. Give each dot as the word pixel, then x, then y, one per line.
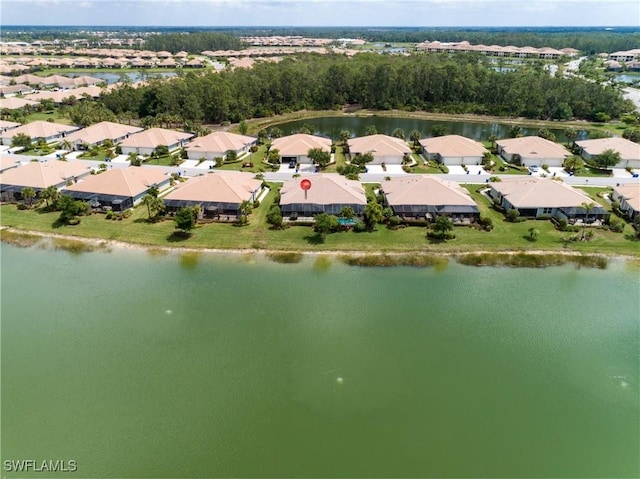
pixel 131 76
pixel 140 364
pixel 332 126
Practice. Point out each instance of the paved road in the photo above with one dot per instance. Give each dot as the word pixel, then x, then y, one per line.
pixel 474 179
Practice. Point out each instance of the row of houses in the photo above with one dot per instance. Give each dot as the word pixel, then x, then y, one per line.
pixel 414 197
pixel 448 150
pixel 497 50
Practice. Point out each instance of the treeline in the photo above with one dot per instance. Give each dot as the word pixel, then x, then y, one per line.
pixel 590 40
pixel 430 82
pixel 195 42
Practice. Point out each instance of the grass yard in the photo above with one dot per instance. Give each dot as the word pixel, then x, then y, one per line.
pixel 258 235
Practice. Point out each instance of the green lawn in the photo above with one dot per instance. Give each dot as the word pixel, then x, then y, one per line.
pixel 505 237
pixel 48 115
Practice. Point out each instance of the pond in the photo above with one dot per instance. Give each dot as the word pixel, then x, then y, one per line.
pixel 332 126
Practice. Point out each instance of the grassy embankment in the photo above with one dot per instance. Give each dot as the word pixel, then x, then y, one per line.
pixel 257 235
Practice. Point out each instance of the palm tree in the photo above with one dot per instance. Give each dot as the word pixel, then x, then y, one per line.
pixel 50 193
pixel 588 208
pixel 492 139
pixel 245 209
pixel 66 145
pixel 154 205
pixel 534 233
pixel 442 225
pixel 571 133
pixel 28 194
pixel 415 136
pixel 398 133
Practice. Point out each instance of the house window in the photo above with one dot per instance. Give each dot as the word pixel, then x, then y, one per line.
pixel 547 211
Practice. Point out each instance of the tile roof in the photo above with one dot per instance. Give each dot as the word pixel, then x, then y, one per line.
pixel 43 174
pixel 220 142
pixel 453 145
pixel 425 190
pixel 154 137
pixel 216 187
pixel 102 131
pixel 325 189
pixel 628 149
pixel 533 191
pixel 631 194
pixel 300 144
pixel 533 147
pixel 379 145
pixel 130 182
pixel 40 129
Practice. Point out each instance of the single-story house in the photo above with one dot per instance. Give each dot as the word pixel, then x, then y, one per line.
pixel 427 197
pixel 329 193
pixel 47 131
pixel 118 188
pixel 218 144
pixel 8 125
pixel 145 142
pixel 40 175
pixel 296 147
pixel 532 150
pixel 215 194
pixel 629 151
pixel 453 150
pixel 14 103
pixel 385 149
pixel 10 160
pixel 13 90
pixel 536 197
pixel 629 198
pixel 96 134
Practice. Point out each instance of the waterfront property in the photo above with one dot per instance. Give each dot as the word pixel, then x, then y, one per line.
pixel 40 175
pixel 453 150
pixel 427 197
pixel 146 142
pixel 215 194
pixel 218 145
pixel 329 193
pixel 385 149
pixel 296 147
pixel 536 197
pixel 100 132
pixel 629 151
pixel 532 151
pixel 628 196
pixel 118 188
pixel 10 91
pixel 39 130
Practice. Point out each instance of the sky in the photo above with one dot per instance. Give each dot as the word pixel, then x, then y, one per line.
pixel 410 13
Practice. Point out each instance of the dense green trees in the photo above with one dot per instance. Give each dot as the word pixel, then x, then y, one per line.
pixel 607 159
pixel 439 83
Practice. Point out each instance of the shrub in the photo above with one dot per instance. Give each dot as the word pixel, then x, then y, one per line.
pixel 616 225
pixel 486 222
pixel 562 224
pixel 256 203
pixel 394 221
pixel 109 215
pixel 360 227
pixel 545 167
pixel 513 215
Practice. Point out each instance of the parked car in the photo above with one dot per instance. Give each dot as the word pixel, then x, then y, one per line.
pixel 292 164
pixel 533 169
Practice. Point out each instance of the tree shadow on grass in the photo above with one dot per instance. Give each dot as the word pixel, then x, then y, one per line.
pixel 530 239
pixel 178 237
pixel 314 239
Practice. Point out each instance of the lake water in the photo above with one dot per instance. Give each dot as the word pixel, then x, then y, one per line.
pixel 144 365
pixel 332 126
pixel 132 76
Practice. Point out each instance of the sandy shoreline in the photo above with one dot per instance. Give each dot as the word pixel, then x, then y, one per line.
pixel 106 245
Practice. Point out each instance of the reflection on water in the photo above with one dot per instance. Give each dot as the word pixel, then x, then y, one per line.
pixel 197 365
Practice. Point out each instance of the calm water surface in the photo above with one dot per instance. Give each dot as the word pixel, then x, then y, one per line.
pixel 138 365
pixel 332 126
